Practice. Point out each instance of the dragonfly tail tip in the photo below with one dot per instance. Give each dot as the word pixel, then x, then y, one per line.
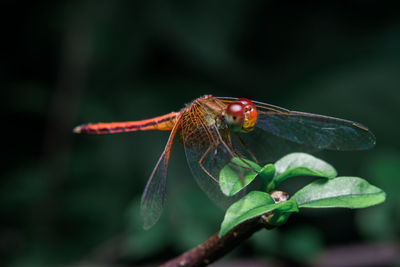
pixel 77 129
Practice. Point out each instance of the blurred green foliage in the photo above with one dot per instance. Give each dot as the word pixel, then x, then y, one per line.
pixel 68 199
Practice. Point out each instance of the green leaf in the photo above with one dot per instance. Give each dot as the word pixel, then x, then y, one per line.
pixel 300 164
pixel 280 217
pixel 236 175
pixel 267 174
pixel 344 192
pixel 255 203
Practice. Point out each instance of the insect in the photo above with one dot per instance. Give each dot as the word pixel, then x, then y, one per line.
pixel 213 130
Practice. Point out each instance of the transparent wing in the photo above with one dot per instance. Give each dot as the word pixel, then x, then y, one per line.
pixel 153 197
pixel 318 131
pixel 213 162
pixel 264 147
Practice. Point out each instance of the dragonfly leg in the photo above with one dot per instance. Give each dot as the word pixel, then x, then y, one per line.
pixel 236 153
pixel 246 148
pixel 202 166
pixel 234 150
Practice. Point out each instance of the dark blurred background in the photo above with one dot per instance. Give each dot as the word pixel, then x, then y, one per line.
pixel 68 199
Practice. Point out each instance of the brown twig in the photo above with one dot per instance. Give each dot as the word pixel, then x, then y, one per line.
pixel 215 247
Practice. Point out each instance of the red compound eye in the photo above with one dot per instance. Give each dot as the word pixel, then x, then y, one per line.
pixel 250 114
pixel 246 102
pixel 235 113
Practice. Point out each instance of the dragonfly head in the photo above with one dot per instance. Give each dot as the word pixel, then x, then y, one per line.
pixel 241 116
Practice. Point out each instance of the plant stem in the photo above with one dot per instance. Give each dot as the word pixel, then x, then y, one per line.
pixel 215 247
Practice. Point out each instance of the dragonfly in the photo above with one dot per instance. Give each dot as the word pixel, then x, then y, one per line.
pixel 214 130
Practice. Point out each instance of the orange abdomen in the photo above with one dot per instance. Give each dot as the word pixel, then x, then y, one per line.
pixel 162 123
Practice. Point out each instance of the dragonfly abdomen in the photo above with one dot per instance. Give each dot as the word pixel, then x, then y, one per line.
pixel 162 123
